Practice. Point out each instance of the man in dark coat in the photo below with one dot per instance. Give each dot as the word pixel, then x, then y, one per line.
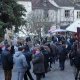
pixel 7 62
pixel 53 51
pixel 0 54
pixel 62 56
pixel 28 56
pixel 75 57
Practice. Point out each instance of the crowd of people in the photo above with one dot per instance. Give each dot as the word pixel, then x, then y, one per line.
pixel 42 55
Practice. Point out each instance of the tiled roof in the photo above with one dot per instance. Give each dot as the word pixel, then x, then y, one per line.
pixel 77 6
pixel 39 4
pixel 23 0
pixel 64 3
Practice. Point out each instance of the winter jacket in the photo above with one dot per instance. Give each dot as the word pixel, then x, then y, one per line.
pixel 20 62
pixel 0 50
pixel 38 63
pixel 63 53
pixel 76 58
pixel 7 60
pixel 28 56
pixel 53 49
pixel 46 59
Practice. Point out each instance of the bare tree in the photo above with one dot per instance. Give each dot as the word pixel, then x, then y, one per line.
pixel 37 21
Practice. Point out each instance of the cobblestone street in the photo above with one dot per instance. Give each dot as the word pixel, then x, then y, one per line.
pixel 54 74
pixel 36 33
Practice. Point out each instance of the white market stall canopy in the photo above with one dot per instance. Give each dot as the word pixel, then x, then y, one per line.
pixel 52 29
pixel 58 30
pixel 73 27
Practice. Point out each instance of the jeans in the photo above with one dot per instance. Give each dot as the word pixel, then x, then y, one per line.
pixel 27 73
pixel 20 75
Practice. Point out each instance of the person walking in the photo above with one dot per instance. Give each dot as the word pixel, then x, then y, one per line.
pixel 0 55
pixel 38 64
pixel 46 59
pixel 28 56
pixel 12 51
pixel 53 49
pixel 20 63
pixel 62 56
pixel 7 62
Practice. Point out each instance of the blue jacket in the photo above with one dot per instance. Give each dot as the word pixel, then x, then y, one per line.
pixel 20 62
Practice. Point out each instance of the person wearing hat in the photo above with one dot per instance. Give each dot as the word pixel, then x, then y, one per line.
pixel 28 56
pixel 38 64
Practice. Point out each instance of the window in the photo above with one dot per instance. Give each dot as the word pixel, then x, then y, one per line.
pixel 67 13
pixel 78 14
pixel 46 13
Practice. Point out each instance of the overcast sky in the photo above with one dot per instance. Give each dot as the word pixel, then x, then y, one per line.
pixel 27 5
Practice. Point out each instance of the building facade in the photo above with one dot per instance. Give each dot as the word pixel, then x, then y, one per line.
pixel 55 12
pixel 60 12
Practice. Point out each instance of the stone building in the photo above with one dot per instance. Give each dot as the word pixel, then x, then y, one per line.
pixel 60 13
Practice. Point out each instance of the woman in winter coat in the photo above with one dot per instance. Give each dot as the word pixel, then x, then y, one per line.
pixel 38 64
pixel 46 58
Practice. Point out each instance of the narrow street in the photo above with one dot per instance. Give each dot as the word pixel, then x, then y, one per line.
pixel 54 74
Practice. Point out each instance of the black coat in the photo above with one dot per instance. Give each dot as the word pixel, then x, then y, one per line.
pixel 7 60
pixel 28 56
pixel 63 53
pixel 46 59
pixel 0 50
pixel 76 59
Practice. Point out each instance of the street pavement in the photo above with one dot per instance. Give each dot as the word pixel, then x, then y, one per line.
pixel 54 74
